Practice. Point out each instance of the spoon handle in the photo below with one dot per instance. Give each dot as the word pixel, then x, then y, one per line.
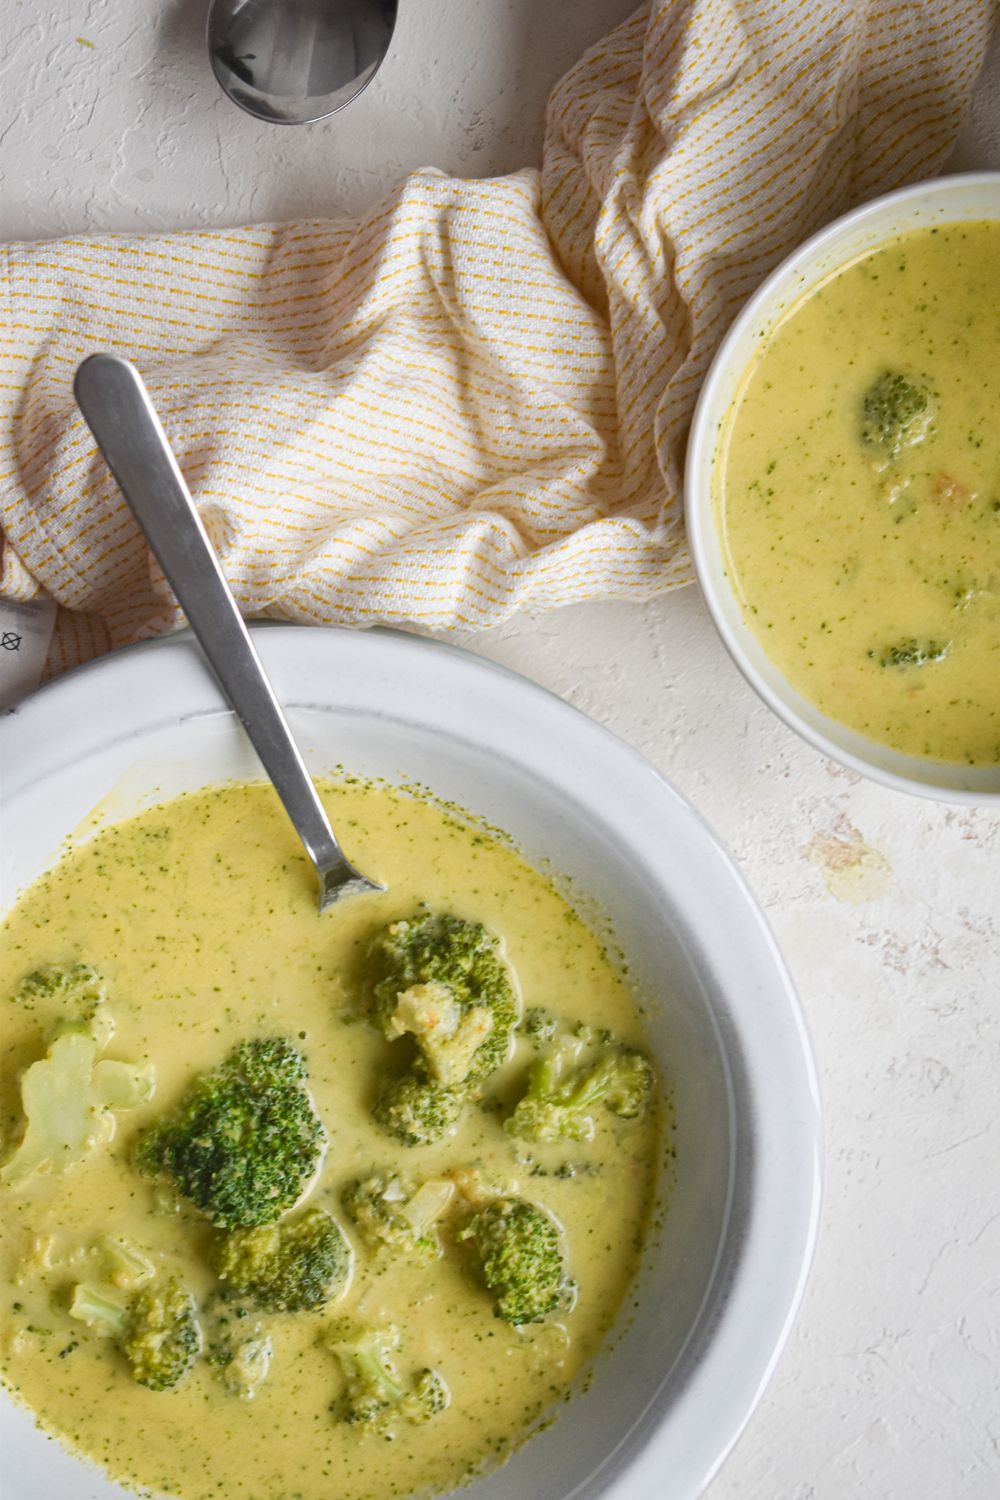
pixel 117 408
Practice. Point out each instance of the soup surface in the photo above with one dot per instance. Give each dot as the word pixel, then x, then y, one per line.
pixel 859 494
pixel 200 914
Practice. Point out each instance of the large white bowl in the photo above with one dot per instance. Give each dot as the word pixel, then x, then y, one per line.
pixel 945 201
pixel 719 1290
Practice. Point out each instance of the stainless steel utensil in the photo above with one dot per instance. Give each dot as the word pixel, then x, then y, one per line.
pixel 291 61
pixel 117 408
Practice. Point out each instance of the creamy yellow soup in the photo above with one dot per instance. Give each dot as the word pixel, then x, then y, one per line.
pixel 201 915
pixel 870 568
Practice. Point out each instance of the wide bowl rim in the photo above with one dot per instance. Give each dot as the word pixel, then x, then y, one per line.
pixel 701 530
pixel 759 1293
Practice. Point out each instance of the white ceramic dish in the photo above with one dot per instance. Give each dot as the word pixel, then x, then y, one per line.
pixel 945 201
pixel 719 1291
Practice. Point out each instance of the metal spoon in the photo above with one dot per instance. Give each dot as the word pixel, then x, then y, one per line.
pixel 118 411
pixel 291 61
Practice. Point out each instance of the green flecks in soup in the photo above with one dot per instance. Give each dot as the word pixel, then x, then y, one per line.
pixel 228 1269
pixel 858 492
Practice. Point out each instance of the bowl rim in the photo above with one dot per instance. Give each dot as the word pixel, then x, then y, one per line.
pixel 772 1237
pixel 699 521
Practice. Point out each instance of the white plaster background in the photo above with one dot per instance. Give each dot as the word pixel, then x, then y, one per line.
pixel 887 907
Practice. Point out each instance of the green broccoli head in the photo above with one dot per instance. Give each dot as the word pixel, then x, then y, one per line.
pixel 539 1025
pixel 443 980
pixel 448 1035
pixel 521 1259
pixel 562 1094
pixel 77 988
pixel 69 1097
pixel 912 653
pixel 416 1111
pixel 294 1266
pixel 388 1210
pixel 163 1336
pixel 126 1264
pixel 157 1329
pixel 373 1395
pixel 245 1140
pixel 895 412
pixel 238 1348
pixel 101 1310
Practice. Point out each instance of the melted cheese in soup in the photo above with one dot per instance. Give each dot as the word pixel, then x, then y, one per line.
pixel 201 916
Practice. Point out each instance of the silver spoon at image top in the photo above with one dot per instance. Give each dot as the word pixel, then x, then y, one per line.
pixel 292 61
pixel 116 405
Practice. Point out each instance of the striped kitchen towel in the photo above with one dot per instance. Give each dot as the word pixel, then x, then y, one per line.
pixel 475 398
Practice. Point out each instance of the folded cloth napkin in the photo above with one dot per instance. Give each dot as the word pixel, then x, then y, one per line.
pixel 476 397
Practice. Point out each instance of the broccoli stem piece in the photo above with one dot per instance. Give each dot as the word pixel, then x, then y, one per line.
pixel 127 1265
pixel 103 1313
pixel 294 1266
pixel 245 1141
pixel 373 1394
pixel 68 1097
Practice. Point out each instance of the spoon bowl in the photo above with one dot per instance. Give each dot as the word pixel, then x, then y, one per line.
pixel 293 61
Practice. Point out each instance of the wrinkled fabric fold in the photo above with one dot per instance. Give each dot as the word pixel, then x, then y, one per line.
pixel 474 399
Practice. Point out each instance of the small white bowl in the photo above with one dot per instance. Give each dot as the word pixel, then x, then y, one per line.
pixel 948 200
pixel 720 1286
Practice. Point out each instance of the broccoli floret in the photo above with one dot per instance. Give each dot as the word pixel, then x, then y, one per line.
pixel 388 1210
pixel 126 1264
pixel 78 988
pixel 294 1266
pixel 238 1348
pixel 244 1366
pixel 913 653
pixel 443 980
pixel 895 412
pixel 561 1096
pixel 157 1329
pixel 539 1025
pixel 68 1098
pixel 163 1338
pixel 521 1259
pixel 372 1394
pixel 245 1141
pixel 416 1111
pixel 448 1035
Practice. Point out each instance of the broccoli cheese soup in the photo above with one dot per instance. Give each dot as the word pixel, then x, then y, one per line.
pixel 301 1205
pixel 858 494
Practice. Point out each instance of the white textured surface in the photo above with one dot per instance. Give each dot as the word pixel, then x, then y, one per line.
pixel 888 908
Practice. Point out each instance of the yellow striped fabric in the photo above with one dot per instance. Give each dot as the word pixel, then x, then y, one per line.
pixel 475 398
